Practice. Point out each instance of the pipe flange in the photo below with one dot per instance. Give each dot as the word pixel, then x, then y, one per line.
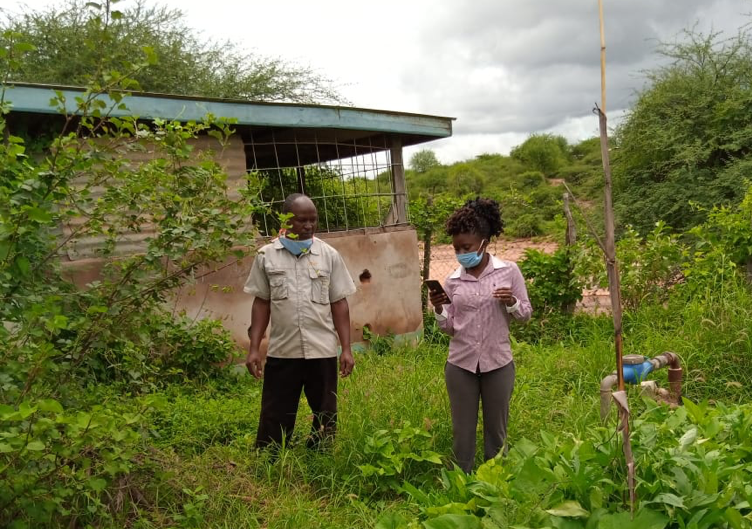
pixel 633 360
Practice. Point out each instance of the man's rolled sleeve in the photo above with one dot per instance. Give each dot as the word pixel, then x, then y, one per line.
pixel 341 284
pixel 257 284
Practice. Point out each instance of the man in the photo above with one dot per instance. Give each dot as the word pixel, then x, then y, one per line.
pixel 302 284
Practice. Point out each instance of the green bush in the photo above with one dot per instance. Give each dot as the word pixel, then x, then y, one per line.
pixel 169 348
pixel 693 466
pixel 524 226
pixel 396 454
pixel 58 464
pixel 648 267
pixel 551 282
pixel 532 179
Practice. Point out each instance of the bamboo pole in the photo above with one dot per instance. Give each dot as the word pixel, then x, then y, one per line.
pixel 612 268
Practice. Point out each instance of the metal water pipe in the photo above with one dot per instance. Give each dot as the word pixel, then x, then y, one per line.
pixel 636 368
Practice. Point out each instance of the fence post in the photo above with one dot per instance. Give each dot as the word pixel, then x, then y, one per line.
pixel 398 182
pixel 427 236
pixel 570 239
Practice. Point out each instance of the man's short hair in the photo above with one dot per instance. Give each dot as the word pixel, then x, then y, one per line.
pixel 290 200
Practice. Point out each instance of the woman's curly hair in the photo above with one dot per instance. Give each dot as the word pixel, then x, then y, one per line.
pixel 481 217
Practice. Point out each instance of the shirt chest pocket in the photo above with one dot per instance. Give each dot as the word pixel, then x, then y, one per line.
pixel 320 282
pixel 466 300
pixel 278 287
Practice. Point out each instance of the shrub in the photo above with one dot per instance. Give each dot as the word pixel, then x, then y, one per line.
pixel 693 466
pixel 524 225
pixel 58 464
pixel 552 284
pixel 648 267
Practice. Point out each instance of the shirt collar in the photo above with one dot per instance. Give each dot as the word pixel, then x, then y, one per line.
pixel 315 247
pixel 495 261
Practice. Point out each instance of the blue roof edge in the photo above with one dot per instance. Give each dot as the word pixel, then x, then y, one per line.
pixel 37 98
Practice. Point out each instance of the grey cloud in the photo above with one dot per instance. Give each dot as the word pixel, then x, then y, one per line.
pixel 528 66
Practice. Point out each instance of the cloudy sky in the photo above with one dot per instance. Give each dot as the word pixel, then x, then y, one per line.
pixel 503 68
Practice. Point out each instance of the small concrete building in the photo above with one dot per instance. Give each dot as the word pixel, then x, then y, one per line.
pixel 349 160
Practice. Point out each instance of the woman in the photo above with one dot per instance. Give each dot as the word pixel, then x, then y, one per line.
pixel 482 297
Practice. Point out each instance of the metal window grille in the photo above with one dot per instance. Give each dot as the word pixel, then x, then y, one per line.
pixel 351 180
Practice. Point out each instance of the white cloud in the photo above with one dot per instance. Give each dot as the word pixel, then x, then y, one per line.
pixel 503 68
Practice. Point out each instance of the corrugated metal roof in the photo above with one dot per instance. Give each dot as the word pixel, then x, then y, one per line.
pixel 35 98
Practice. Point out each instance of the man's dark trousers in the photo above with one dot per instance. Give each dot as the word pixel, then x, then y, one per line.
pixel 283 381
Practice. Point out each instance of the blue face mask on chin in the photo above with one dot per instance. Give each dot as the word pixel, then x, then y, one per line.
pixel 296 246
pixel 471 259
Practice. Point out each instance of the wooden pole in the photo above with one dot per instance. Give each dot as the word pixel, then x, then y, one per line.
pixel 398 182
pixel 570 239
pixel 612 268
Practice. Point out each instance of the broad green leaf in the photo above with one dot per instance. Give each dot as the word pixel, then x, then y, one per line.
pixel 453 521
pixel 568 509
pixel 39 215
pixel 97 484
pixel 669 499
pixel 35 446
pixel 688 438
pixel 24 266
pixel 734 518
pixel 25 410
pixel 644 519
pixel 50 405
pixel 391 520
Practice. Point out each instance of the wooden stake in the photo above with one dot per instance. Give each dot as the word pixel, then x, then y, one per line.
pixel 603 57
pixel 612 268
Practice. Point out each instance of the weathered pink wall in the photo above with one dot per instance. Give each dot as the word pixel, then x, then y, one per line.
pixel 388 302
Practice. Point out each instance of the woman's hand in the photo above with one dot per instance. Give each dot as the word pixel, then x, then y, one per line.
pixel 505 295
pixel 438 299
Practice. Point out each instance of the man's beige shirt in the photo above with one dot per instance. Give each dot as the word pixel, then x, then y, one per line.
pixel 301 290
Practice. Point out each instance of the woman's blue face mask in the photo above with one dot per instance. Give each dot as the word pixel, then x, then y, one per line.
pixel 472 259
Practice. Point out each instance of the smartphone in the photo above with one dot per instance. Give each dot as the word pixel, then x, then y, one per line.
pixel 435 287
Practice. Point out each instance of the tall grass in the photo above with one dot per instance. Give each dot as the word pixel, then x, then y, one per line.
pixel 203 436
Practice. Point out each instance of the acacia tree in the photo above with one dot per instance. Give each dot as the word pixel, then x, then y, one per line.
pixel 63 53
pixel 688 139
pixel 424 160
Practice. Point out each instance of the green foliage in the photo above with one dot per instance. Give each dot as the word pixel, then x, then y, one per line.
pixel 693 468
pixel 198 418
pixel 379 345
pixel 58 464
pixel 530 205
pixel 552 283
pixel 524 226
pixel 108 39
pixel 57 341
pixel 423 161
pixel 430 215
pixel 648 267
pixel 169 348
pixel 397 452
pixel 686 140
pixel 545 153
pixel 356 205
pixel 728 230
